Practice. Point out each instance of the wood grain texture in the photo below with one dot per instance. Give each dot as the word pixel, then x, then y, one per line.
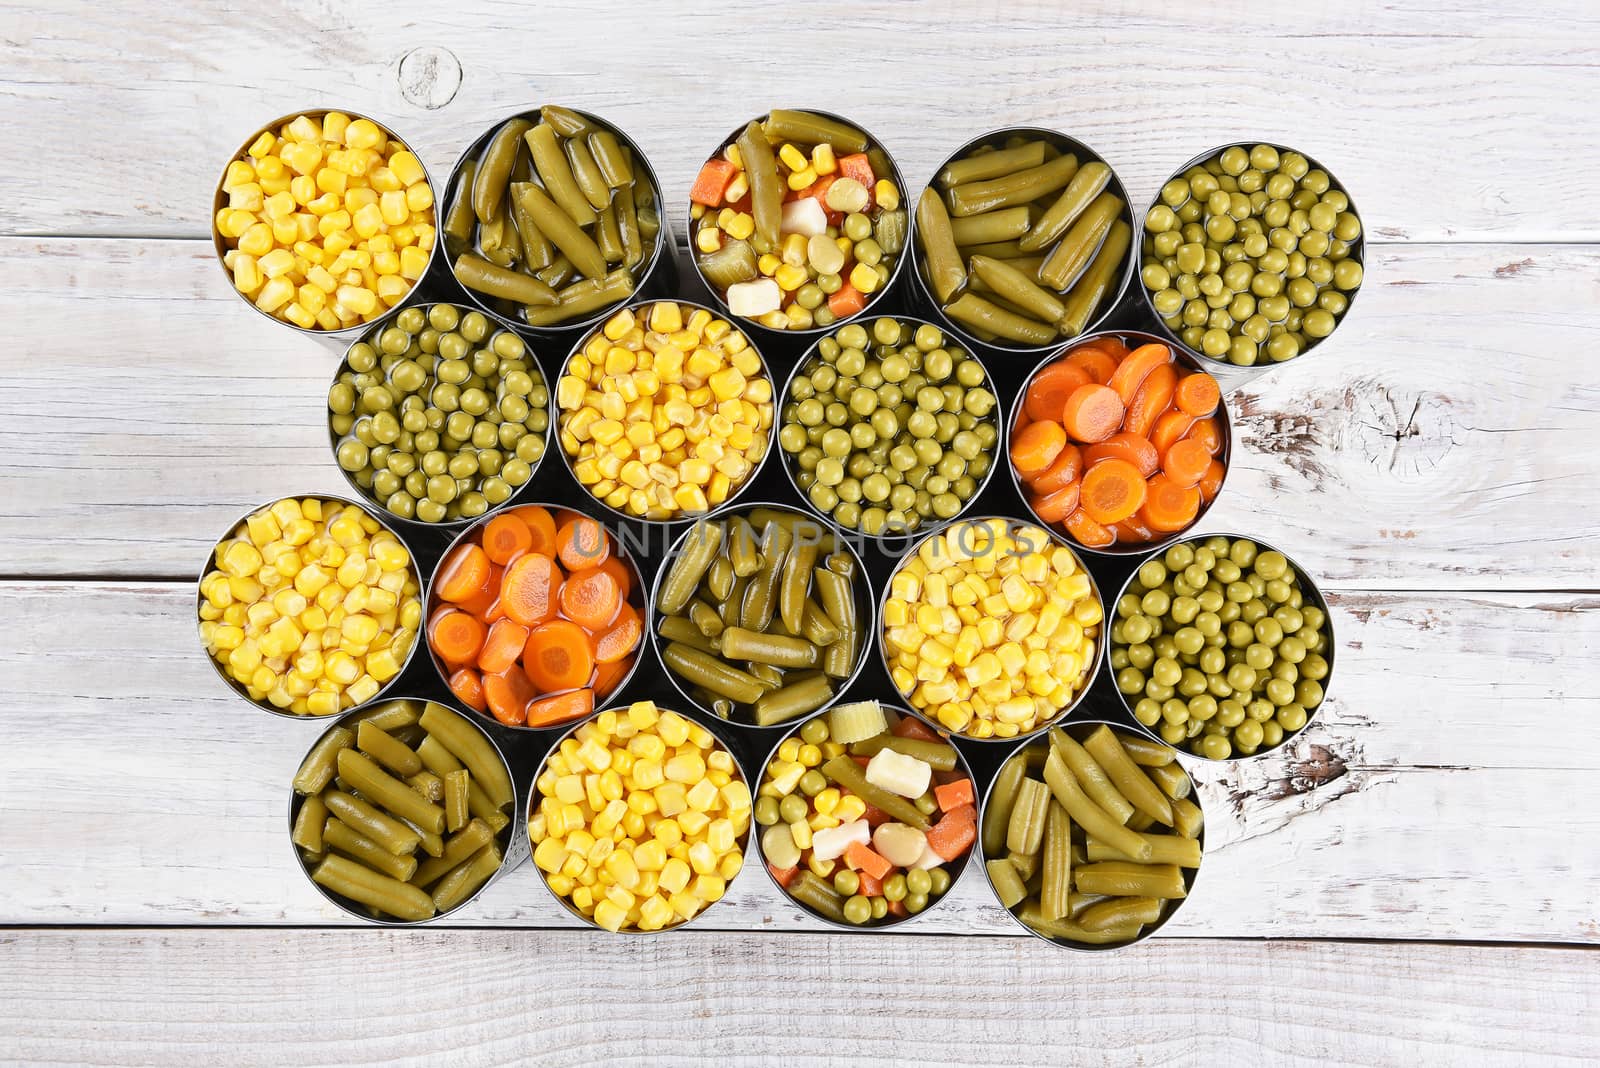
pixel 139 792
pixel 1446 121
pixel 1377 463
pixel 262 997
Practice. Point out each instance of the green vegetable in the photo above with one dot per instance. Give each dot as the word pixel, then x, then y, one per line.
pixel 1026 829
pixel 1016 188
pixel 382 892
pixel 850 776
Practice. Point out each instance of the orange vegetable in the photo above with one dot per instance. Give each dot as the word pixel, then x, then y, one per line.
pixel 1132 530
pixel 1198 394
pixel 560 708
pixel 870 886
pixel 620 638
pixel 874 816
pixel 620 573
pixel 846 301
pixel 529 588
pixel 1050 388
pixel 952 795
pixel 1037 446
pixel 1153 398
pixel 712 182
pixel 1093 413
pixel 1055 507
pixel 542 525
pixel 463 573
pixel 1135 368
pixel 954 834
pixel 864 859
pixel 1095 361
pixel 1125 446
pixel 1211 481
pixel 857 166
pixel 1065 470
pixel 898 909
pixel 784 876
pixel 1209 433
pixel 582 543
pixel 456 636
pixel 1186 462
pixel 480 603
pixel 590 598
pixel 503 645
pixel 911 727
pixel 1169 428
pixel 1112 490
pixel 1087 532
pixel 557 656
pixel 607 677
pixel 1168 506
pixel 508 694
pixel 468 688
pixel 505 537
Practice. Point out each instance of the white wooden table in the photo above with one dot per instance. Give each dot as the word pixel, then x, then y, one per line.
pixel 1412 881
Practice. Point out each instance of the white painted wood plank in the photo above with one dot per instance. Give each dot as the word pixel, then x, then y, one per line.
pixel 1421 805
pixel 1463 121
pixel 1441 439
pixel 406 998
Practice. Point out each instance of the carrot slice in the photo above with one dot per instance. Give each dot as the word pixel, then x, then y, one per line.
pixel 1198 394
pixel 542 525
pixel 1135 368
pixel 1153 398
pixel 480 603
pixel 557 656
pixel 463 573
pixel 1093 413
pixel 620 638
pixel 590 598
pixel 1186 462
pixel 1112 491
pixel 1211 481
pixel 1170 428
pixel 1037 446
pixel 607 677
pixel 1066 469
pixel 1209 433
pixel 505 537
pixel 529 588
pixel 508 694
pixel 954 834
pixel 502 647
pixel 455 636
pixel 1055 507
pixel 1132 531
pixel 1125 446
pixel 582 543
pixel 468 688
pixel 952 795
pixel 561 708
pixel 1169 507
pixel 1096 362
pixel 620 573
pixel 912 727
pixel 1050 388
pixel 1087 532
pixel 864 858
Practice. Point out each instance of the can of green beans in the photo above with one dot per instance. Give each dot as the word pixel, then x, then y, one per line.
pixel 1251 255
pixel 823 208
pixel 763 440
pixel 1057 837
pixel 882 437
pixel 222 199
pixel 211 567
pixel 624 544
pixel 1022 241
pixel 551 220
pixel 762 613
pixel 396 869
pixel 1221 645
pixel 1185 361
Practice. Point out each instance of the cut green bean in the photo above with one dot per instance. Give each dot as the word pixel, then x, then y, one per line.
pixel 945 272
pixel 1016 188
pixel 1164 849
pixel 317 769
pixel 608 156
pixel 852 777
pixel 457 848
pixel 563 232
pixel 586 172
pixel 702 669
pixel 940 756
pixel 816 627
pixel 1002 800
pixel 996 164
pixel 1018 288
pixel 779 651
pixel 1006 882
pixel 1026 829
pixel 681 630
pixel 761 598
pixel 1087 184
pixel 469 745
pixel 494 170
pixel 360 883
pixel 743 551
pixel 457 786
pixel 1085 813
pixel 1186 818
pixel 766 192
pixel 1081 244
pixel 1129 779
pixel 378 786
pixel 555 173
pixel 794 581
pixel 307 831
pixel 381 827
pixel 342 838
pixel 1071 931
pixel 427 784
pixel 810 890
pixel 465 880
pixel 699 549
pixel 1002 225
pixel 1056 862
pixel 787 125
pixel 564 121
pixel 795 699
pixel 1120 878
pixel 460 218
pixel 382 747
pixel 986 315
pixel 1090 775
pixel 1097 282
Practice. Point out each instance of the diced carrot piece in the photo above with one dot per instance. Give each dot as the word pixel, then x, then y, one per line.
pixel 912 727
pixel 846 302
pixel 857 166
pixel 1170 428
pixel 1036 447
pixel 557 656
pixel 784 876
pixel 463 573
pixel 1067 467
pixel 1209 433
pixel 1135 368
pixel 1048 392
pixel 542 525
pixel 1056 506
pixel 1096 362
pixel 455 635
pixel 875 815
pixel 952 795
pixel 863 858
pixel 1186 462
pixel 582 543
pixel 898 909
pixel 870 885
pixel 1169 507
pixel 1198 394
pixel 954 834
pixel 712 182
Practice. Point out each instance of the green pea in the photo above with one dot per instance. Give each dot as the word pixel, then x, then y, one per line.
pixel 894 887
pixel 792 808
pixel 857 909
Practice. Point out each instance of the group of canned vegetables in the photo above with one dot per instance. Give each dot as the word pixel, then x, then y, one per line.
pixel 762 615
